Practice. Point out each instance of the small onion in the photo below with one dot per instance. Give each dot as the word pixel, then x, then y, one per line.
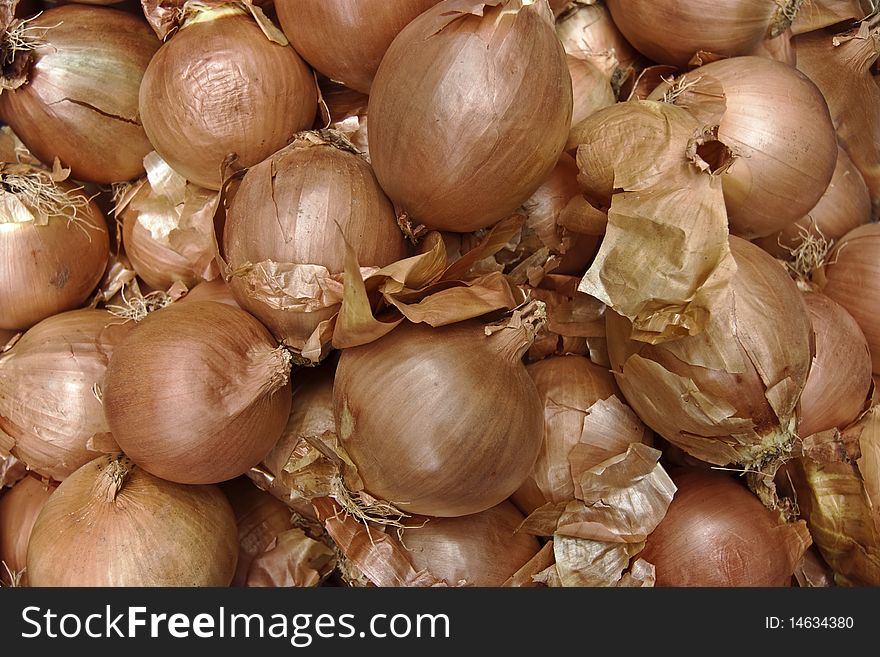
pixel 717 533
pixel 440 421
pixel 113 524
pixel 457 75
pixel 220 86
pixel 19 508
pixel 79 102
pixel 50 388
pixel 197 392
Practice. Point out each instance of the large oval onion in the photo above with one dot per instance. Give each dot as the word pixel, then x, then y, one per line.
pixel 717 533
pixel 346 39
pixel 220 86
pixel 53 246
pixel 440 421
pixel 79 99
pixel 112 523
pixel 457 75
pixel 50 390
pixel 197 392
pixel 19 508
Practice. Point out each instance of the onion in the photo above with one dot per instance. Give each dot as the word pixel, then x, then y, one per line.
pixel 457 75
pixel 588 29
pixel 346 39
pixel 216 290
pixel 851 279
pixel 19 508
pixel 53 246
pixel 591 88
pixel 220 86
pixel 840 375
pixel 584 421
pixel 348 114
pixel 112 523
pixel 50 390
pixel 716 533
pixel 78 93
pixel 197 393
pixel 440 421
pixel 672 31
pixel 286 231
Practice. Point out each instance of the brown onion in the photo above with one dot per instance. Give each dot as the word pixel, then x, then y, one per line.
pixel 50 390
pixel 216 290
pixel 112 523
pixel 589 29
pixel 840 375
pixel 456 75
pixel 197 392
pixel 19 508
pixel 53 246
pixel 440 421
pixel 79 97
pixel 346 39
pixel 717 533
pixel 219 86
pixel 591 88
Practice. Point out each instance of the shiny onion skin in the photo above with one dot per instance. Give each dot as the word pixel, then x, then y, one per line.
pixel 218 87
pixel 717 533
pixel 439 421
pixel 80 101
pixel 112 523
pixel 498 83
pixel 19 508
pixel 49 387
pixel 346 39
pixel 197 393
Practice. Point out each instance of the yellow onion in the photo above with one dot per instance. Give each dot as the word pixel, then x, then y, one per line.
pixel 729 393
pixel 346 39
pixel 197 392
pixel 440 421
pixel 219 86
pixel 348 114
pixel 585 422
pixel 588 29
pixel 19 508
pixel 75 95
pixel 845 205
pixel 50 390
pixel 851 279
pixel 840 375
pixel 591 88
pixel 672 31
pixel 112 523
pixel 717 533
pixel 457 75
pixel 216 290
pixel 286 231
pixel 53 246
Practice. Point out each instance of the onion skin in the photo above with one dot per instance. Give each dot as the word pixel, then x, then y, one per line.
pixel 423 106
pixel 219 86
pixel 216 290
pixel 591 88
pixel 80 103
pixel 112 523
pixel 589 29
pixel 19 508
pixel 717 533
pixel 47 380
pixel 462 424
pixel 197 393
pixel 346 39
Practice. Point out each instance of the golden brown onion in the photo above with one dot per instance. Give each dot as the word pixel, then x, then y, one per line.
pixel 112 523
pixel 197 392
pixel 78 100
pixel 19 508
pixel 50 390
pixel 454 77
pixel 588 29
pixel 591 88
pixel 717 533
pixel 219 86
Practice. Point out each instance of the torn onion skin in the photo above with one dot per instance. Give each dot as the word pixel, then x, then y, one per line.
pixel 19 508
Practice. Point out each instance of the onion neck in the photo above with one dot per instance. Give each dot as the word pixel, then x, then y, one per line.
pixel 18 42
pixel 197 12
pixel 112 477
pixel 784 17
pixel 511 338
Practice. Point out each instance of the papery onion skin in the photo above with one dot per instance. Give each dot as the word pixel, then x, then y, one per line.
pixel 219 87
pixel 19 508
pixel 346 39
pixel 717 533
pixel 112 523
pixel 216 290
pixel 590 29
pixel 452 78
pixel 438 421
pixel 80 103
pixel 49 386
pixel 591 88
pixel 480 549
pixel 197 393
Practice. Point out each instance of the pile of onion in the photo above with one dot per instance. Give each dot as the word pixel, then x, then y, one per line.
pixel 19 508
pixel 112 523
